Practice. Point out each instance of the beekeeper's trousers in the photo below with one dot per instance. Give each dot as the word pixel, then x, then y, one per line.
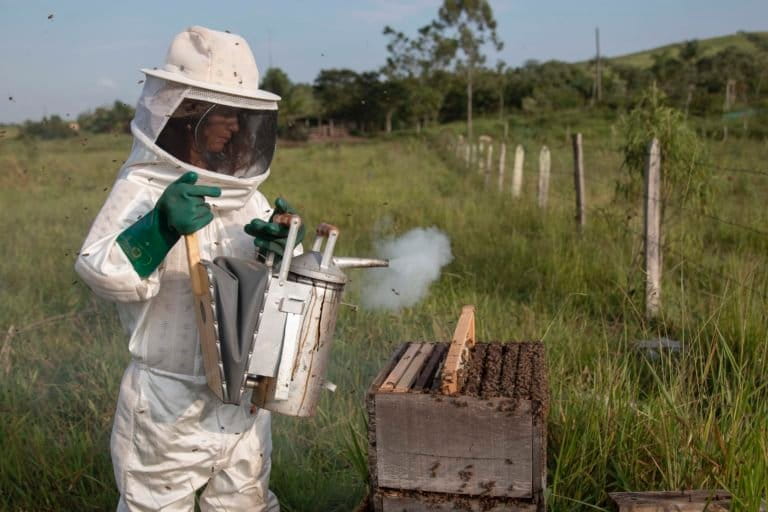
pixel 162 454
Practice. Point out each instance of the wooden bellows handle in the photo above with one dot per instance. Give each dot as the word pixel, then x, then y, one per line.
pixel 205 317
pixel 193 258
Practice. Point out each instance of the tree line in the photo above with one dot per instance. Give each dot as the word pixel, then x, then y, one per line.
pixel 106 119
pixel 440 74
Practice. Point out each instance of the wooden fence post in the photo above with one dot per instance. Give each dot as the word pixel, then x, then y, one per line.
pixel 578 175
pixel 517 171
pixel 544 166
pixel 653 231
pixel 502 164
pixel 480 157
pixel 467 153
pixel 488 162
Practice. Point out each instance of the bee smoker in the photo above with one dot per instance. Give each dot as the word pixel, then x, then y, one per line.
pixel 270 328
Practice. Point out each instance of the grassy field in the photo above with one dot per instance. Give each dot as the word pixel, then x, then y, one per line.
pixel 618 421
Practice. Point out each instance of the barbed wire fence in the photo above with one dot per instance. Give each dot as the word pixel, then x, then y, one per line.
pixel 478 156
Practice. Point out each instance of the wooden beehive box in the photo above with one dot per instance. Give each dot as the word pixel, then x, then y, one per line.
pixel 674 501
pixel 476 445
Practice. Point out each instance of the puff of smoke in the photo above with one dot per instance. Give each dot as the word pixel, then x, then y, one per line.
pixel 415 261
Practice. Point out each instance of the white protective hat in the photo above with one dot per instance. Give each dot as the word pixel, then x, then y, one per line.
pixel 205 65
pixel 213 60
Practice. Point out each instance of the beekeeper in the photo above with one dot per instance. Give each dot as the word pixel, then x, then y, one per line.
pixel 204 137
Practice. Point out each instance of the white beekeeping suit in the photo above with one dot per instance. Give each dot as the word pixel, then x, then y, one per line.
pixel 171 435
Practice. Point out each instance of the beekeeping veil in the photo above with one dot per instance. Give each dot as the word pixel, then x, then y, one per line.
pixel 209 77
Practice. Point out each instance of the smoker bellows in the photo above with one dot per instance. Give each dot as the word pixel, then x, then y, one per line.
pixel 270 328
pixel 459 426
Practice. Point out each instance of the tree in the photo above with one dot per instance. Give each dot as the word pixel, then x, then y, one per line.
pixel 417 65
pixel 346 95
pixel 114 119
pixel 300 102
pixel 686 176
pixel 469 25
pixel 334 88
pixel 53 127
pixel 276 80
pixel 690 50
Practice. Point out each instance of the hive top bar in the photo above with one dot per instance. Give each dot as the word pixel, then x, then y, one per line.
pixel 513 370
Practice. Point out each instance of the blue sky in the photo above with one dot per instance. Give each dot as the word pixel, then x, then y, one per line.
pixel 90 52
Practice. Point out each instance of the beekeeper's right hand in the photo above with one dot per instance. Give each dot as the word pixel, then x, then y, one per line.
pixel 181 210
pixel 271 236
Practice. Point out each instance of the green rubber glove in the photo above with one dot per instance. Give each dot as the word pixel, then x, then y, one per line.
pixel 181 210
pixel 271 236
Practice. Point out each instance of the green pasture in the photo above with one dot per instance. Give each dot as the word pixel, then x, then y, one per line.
pixel 618 421
pixel 708 46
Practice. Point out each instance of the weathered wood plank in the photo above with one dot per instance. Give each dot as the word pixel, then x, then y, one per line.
pixel 459 445
pixel 667 501
pixel 370 406
pixel 386 369
pixel 539 462
pixel 545 163
pixel 517 171
pixel 502 166
pixel 578 176
pixel 652 239
pixel 407 379
pixel 393 502
pixel 205 317
pixel 402 365
pixel 429 369
pixel 463 340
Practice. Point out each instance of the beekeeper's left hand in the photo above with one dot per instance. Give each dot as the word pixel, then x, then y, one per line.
pixel 271 236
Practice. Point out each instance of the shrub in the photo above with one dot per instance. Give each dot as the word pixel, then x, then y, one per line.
pixel 685 174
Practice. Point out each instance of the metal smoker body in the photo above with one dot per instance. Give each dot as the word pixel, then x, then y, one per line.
pixel 286 362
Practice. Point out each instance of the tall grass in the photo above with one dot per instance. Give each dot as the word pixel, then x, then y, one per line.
pixel 618 420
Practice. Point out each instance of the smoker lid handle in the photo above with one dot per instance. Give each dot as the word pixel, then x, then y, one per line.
pixel 324 229
pixel 329 233
pixel 293 233
pixel 284 219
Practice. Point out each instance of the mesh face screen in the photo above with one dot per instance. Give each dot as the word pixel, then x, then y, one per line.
pixel 222 138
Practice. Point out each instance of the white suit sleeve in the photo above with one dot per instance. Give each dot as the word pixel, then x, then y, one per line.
pixel 102 264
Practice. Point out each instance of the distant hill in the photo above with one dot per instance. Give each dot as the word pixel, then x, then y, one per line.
pixel 742 40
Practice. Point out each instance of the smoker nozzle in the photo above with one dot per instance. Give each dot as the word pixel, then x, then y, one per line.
pixel 347 262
